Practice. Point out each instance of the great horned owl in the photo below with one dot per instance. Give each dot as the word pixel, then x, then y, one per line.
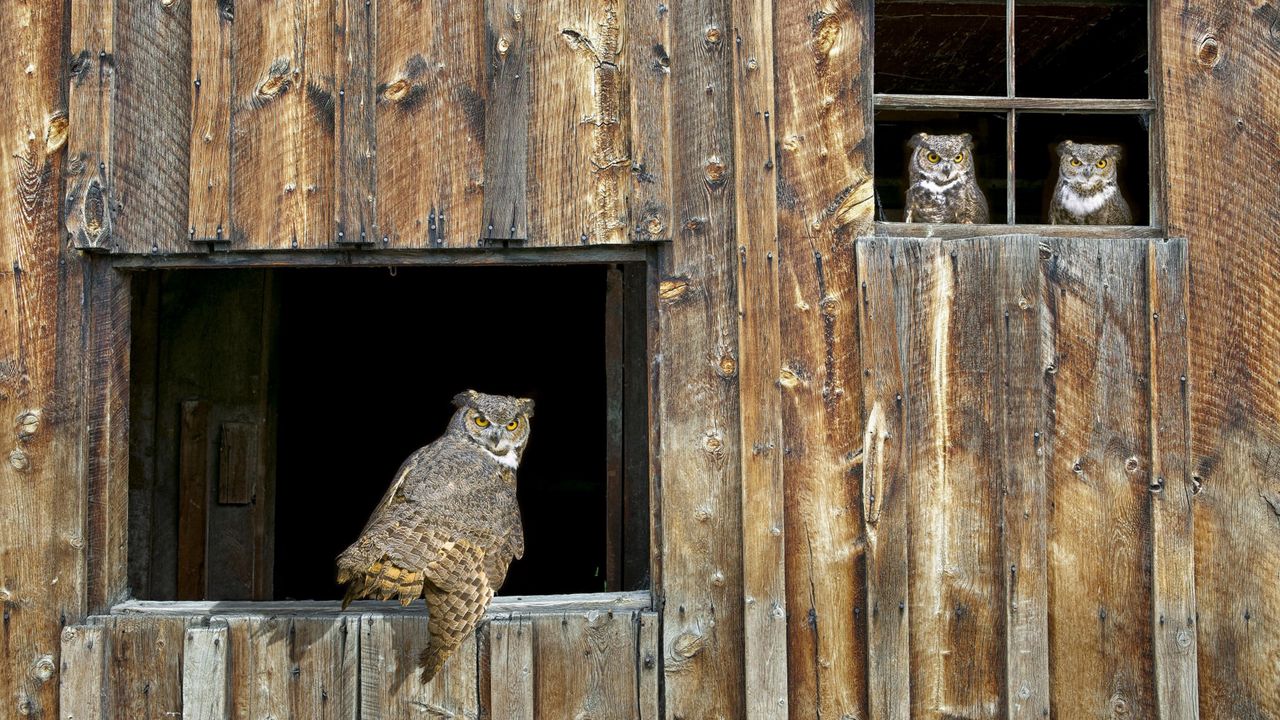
pixel 1087 192
pixel 943 188
pixel 449 525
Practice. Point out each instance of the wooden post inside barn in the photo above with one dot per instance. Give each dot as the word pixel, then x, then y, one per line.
pixel 795 458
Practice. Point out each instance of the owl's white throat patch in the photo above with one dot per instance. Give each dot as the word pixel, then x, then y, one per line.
pixel 509 458
pixel 935 188
pixel 1081 205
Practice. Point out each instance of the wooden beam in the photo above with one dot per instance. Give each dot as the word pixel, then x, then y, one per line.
pixel 82 680
pixel 759 346
pixel 506 136
pixel 888 101
pixel 355 140
pixel 511 668
pixel 205 681
pixel 501 605
pixel 614 372
pixel 390 688
pixel 86 127
pixel 648 47
pixel 145 661
pixel 209 209
pixel 193 499
pixel 947 231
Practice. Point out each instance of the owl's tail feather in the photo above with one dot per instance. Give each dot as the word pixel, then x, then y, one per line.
pixel 453 616
pixel 381 581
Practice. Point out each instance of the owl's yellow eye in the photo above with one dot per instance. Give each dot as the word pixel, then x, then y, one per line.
pixel 511 426
pixel 481 421
pixel 1075 162
pixel 959 157
pixel 933 157
pixel 1102 163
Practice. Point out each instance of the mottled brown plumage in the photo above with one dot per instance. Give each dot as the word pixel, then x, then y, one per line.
pixel 449 526
pixel 942 185
pixel 1088 190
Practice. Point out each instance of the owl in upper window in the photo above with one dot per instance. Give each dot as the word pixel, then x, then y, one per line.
pixel 1087 192
pixel 943 186
pixel 449 526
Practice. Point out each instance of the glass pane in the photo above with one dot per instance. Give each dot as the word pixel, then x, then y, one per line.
pixel 1081 49
pixel 895 128
pixel 1037 140
pixel 936 48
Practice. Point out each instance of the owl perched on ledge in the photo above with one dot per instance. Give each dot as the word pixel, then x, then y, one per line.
pixel 449 526
pixel 1087 192
pixel 943 187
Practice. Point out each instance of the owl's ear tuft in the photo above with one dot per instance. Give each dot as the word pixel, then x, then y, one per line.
pixel 465 399
pixel 1116 151
pixel 1065 147
pixel 917 140
pixel 967 138
pixel 526 406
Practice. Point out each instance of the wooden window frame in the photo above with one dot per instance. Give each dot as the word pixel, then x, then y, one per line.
pixel 1012 105
pixel 119 602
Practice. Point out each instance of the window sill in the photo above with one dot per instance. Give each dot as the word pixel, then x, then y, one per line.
pixel 946 232
pixel 502 605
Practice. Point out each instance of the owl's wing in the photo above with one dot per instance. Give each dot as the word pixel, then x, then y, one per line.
pixel 508 545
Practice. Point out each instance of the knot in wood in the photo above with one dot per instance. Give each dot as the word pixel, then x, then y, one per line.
pixel 713 35
pixel 55 132
pixel 673 289
pixel 728 366
pixel 276 83
pixel 504 46
pixel 42 670
pixel 715 170
pixel 1131 465
pixel 18 460
pixel 28 424
pixel 788 378
pixel 654 226
pixel 396 91
pixel 717 578
pixel 712 443
pixel 1208 53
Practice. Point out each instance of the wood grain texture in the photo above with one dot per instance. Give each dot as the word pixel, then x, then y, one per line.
pixel 86 128
pixel 1172 491
pixel 193 498
pixel 144 661
pixel 144 356
pixel 282 152
pixel 578 162
pixel 1098 476
pixel 701 499
pixel 106 410
pixel 239 462
pixel 430 119
pixel 294 667
pixel 1024 358
pixel 756 216
pixel 506 146
pixel 511 668
pixel 585 666
pixel 209 212
pixel 945 324
pixel 647 47
pixel 205 680
pixel 885 491
pixel 648 668
pixel 1219 89
pixel 151 148
pixel 355 141
pixel 42 538
pixel 823 189
pixel 390 688
pixel 82 677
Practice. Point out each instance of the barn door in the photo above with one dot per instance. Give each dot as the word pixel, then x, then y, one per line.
pixel 1025 472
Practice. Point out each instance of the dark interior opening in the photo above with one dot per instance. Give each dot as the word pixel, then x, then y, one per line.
pixel 1038 135
pixel 933 48
pixel 1081 49
pixel 271 409
pixel 895 128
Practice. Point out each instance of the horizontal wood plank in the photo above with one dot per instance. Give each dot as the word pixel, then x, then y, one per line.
pixel 502 605
pixel 888 101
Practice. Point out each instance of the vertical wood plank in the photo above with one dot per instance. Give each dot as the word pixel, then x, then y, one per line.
pixel 356 133
pixel 945 324
pixel 193 498
pixel 390 688
pixel 239 462
pixel 151 145
pixel 511 669
pixel 430 120
pixel 42 358
pixel 295 667
pixel 86 126
pixel 1019 309
pixel 282 156
pixel 822 77
pixel 106 461
pixel 211 93
pixel 885 492
pixel 205 681
pixel 701 499
pixel 1172 526
pixel 647 45
pixel 756 214
pixel 1098 473
pixel 578 164
pixel 648 670
pixel 1217 89
pixel 143 390
pixel 637 551
pixel 614 372
pixel 145 667
pixel 585 666
pixel 82 679
pixel 506 146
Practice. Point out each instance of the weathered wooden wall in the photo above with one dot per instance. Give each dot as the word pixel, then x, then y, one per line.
pixel 297 124
pixel 343 667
